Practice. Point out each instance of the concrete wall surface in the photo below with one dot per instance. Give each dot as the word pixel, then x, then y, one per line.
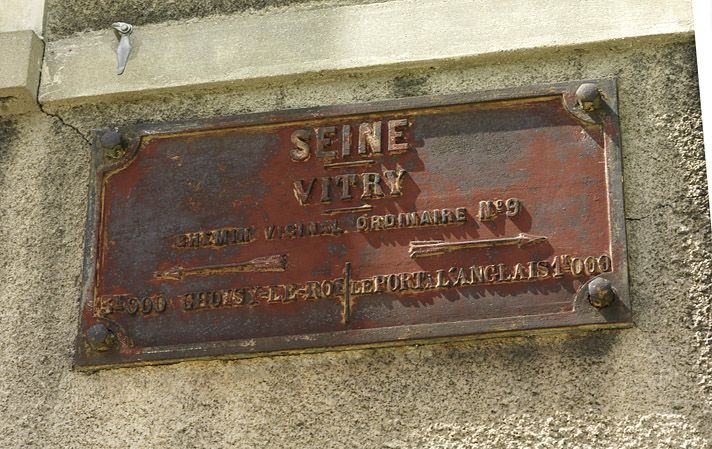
pixel 291 42
pixel 21 53
pixel 19 15
pixel 649 386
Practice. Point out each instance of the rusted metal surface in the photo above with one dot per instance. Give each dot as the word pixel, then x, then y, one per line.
pixel 359 225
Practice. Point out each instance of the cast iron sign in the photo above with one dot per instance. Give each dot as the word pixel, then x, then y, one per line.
pixel 357 225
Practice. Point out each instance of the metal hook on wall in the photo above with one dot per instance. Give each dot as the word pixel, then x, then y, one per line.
pixel 124 49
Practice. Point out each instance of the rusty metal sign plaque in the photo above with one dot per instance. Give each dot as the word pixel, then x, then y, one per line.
pixel 418 219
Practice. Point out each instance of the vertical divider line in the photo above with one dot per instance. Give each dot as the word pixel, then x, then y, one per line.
pixel 347 292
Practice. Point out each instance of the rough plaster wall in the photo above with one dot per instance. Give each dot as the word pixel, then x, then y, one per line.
pixel 645 387
pixel 65 17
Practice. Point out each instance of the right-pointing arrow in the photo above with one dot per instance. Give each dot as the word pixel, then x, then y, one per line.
pixel 435 247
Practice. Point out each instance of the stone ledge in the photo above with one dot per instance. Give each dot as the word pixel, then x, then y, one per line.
pixel 20 15
pixel 294 42
pixel 21 56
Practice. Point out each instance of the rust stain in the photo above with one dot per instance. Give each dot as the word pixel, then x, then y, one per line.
pixel 426 217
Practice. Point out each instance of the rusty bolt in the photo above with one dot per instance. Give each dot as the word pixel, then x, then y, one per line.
pixel 600 293
pixel 113 145
pixel 110 139
pixel 588 97
pixel 100 338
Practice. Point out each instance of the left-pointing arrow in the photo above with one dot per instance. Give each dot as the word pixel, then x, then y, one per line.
pixel 259 264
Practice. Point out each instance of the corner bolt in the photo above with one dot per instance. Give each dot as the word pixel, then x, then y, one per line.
pixel 601 293
pixel 588 97
pixel 100 338
pixel 113 145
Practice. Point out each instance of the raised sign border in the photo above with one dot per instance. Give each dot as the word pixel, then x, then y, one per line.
pixel 115 147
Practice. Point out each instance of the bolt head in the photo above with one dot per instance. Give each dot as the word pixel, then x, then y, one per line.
pixel 122 27
pixel 600 293
pixel 100 338
pixel 110 139
pixel 588 96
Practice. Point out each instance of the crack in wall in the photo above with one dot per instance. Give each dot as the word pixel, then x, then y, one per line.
pixel 57 116
pixel 64 123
